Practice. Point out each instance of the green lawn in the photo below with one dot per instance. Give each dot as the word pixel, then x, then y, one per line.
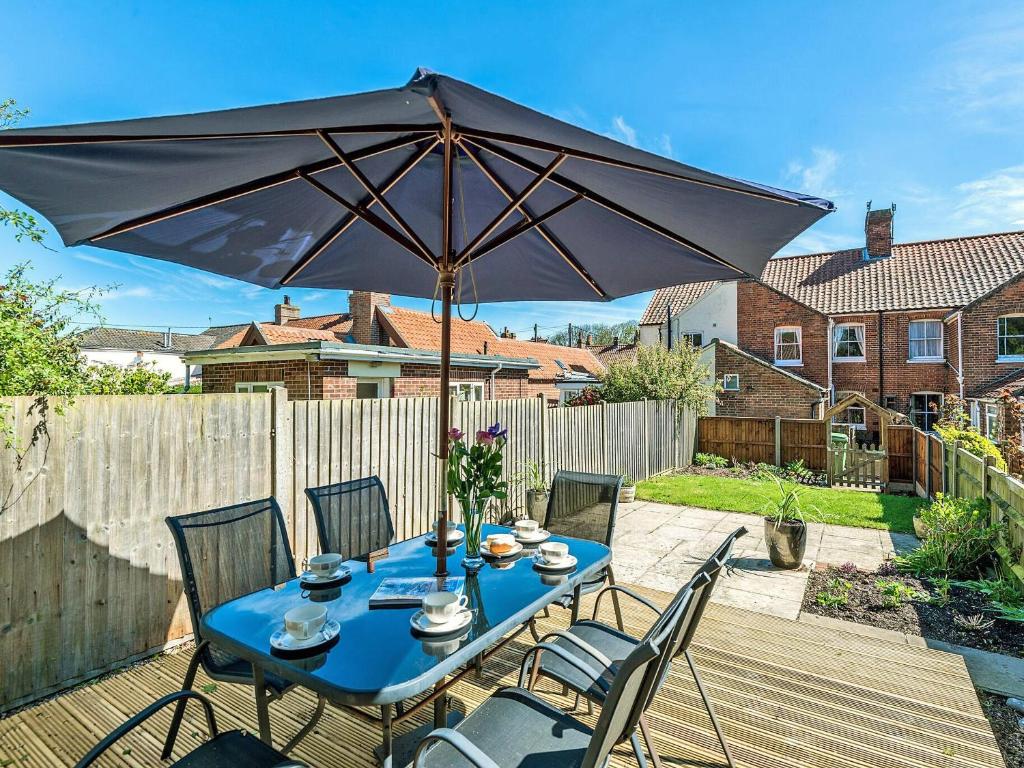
pixel 827 505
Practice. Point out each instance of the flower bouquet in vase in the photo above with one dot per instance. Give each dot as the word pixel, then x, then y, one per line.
pixel 473 476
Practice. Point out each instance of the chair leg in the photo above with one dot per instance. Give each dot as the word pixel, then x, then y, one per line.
pixel 645 731
pixel 533 630
pixel 638 750
pixel 320 704
pixel 710 709
pixel 179 709
pixel 590 707
pixel 615 601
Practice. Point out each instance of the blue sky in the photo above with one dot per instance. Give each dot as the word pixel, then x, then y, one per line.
pixel 920 104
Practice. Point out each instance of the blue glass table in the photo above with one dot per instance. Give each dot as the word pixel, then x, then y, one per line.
pixel 378 660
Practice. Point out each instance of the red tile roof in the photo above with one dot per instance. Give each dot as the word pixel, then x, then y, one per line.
pixel 611 353
pixel 338 323
pixel 934 274
pixel 281 334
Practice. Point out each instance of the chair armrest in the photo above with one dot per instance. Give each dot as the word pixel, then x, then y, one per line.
pixel 459 743
pixel 630 593
pixel 565 656
pixel 135 721
pixel 584 646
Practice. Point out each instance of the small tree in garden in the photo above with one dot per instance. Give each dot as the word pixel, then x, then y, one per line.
pixel 110 379
pixel 1013 422
pixel 661 374
pixel 955 425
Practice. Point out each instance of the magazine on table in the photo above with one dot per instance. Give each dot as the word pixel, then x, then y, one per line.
pixel 409 592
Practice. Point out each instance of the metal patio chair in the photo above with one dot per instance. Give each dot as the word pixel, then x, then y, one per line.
pixel 227 749
pixel 352 518
pixel 601 647
pixel 226 553
pixel 583 505
pixel 514 727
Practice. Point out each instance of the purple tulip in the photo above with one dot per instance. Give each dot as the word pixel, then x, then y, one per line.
pixel 496 431
pixel 455 434
pixel 483 437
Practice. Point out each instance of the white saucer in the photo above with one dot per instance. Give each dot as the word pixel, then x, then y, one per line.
pixel 455 535
pixel 343 572
pixel 282 641
pixel 565 565
pixel 538 538
pixel 516 549
pixel 459 621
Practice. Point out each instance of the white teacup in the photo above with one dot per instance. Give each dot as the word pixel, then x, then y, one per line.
pixel 324 565
pixel 305 621
pixel 452 529
pixel 440 607
pixel 554 552
pixel 527 528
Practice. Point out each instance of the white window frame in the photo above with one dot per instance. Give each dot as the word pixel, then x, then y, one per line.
pixel 726 378
pixel 860 426
pixel 246 387
pixel 567 393
pixel 799 345
pixel 911 358
pixel 992 421
pixel 1001 358
pixel 976 415
pixel 383 387
pixel 454 388
pixel 688 336
pixel 926 395
pixel 836 357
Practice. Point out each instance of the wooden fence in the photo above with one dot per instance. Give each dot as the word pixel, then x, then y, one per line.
pixel 88 574
pixel 760 440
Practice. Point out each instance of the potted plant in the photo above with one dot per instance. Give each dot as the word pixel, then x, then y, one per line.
pixel 785 530
pixel 537 492
pixel 473 476
pixel 627 492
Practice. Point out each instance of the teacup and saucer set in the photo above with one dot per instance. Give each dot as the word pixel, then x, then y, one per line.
pixel 554 557
pixel 455 535
pixel 326 571
pixel 443 613
pixel 306 632
pixel 529 533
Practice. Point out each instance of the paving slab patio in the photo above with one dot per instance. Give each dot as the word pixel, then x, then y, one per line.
pixel 660 546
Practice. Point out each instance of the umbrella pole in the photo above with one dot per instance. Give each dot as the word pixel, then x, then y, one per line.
pixel 444 419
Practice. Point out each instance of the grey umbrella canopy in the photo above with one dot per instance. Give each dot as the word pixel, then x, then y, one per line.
pixel 437 188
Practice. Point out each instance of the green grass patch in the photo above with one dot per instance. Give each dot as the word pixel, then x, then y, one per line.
pixel 827 505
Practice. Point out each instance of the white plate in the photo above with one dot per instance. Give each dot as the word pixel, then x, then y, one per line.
pixel 565 565
pixel 343 572
pixel 516 549
pixel 455 535
pixel 459 621
pixel 538 538
pixel 282 641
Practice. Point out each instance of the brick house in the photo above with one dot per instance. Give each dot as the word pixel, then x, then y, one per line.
pixel 905 325
pixel 378 350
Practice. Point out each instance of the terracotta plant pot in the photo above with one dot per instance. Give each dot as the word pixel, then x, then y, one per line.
pixel 627 493
pixel 786 541
pixel 537 505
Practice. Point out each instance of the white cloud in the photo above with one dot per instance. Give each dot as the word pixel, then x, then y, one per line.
pixel 137 292
pixel 818 242
pixel 623 131
pixel 981 75
pixel 665 145
pixel 992 202
pixel 220 283
pixel 815 176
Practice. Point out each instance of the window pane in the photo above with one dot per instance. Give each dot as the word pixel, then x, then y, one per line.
pixel 366 390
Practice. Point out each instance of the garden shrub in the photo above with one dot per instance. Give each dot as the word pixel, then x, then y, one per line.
pixel 959 541
pixel 972 441
pixel 710 460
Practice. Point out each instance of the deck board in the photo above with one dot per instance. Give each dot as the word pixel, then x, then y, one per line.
pixel 787 694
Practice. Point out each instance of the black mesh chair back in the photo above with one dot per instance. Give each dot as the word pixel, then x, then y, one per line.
pixel 583 505
pixel 629 696
pixel 352 518
pixel 226 553
pixel 713 568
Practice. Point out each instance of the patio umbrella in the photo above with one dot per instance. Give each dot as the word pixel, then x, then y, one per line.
pixel 435 189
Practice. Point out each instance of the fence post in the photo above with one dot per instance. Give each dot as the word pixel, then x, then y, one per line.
pixel 986 463
pixel 827 426
pixel 913 458
pixel 282 464
pixel 778 441
pixel 543 452
pixel 954 469
pixel 646 442
pixel 927 466
pixel 604 440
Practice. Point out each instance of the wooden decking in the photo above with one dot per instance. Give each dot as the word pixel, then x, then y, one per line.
pixel 788 694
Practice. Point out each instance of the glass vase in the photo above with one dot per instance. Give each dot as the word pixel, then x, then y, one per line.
pixel 474 524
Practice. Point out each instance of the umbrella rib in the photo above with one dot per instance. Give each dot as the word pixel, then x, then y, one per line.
pixel 370 218
pixel 248 188
pixel 376 194
pixel 604 202
pixel 343 225
pixel 521 141
pixel 549 238
pixel 514 204
pixel 521 228
pixel 37 140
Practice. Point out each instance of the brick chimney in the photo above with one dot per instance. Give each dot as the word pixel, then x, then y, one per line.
pixel 590 339
pixel 878 232
pixel 362 306
pixel 283 313
pixel 506 333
